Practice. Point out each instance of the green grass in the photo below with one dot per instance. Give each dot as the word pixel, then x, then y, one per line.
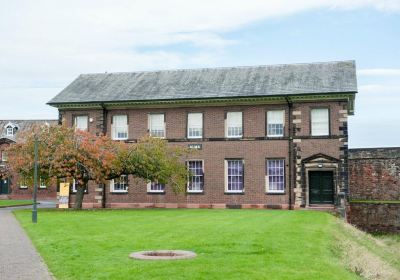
pixel 231 244
pixel 392 241
pixel 11 202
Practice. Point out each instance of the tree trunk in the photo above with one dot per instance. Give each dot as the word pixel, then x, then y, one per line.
pixel 80 192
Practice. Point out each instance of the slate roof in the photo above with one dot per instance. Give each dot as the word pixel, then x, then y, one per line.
pixel 21 125
pixel 284 79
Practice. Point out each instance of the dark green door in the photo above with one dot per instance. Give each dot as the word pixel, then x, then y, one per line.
pixel 321 187
pixel 3 186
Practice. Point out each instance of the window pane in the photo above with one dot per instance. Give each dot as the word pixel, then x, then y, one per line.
pixel 197 180
pixel 81 122
pixel 10 131
pixel 120 127
pixel 155 187
pixel 23 184
pixel 120 184
pixel 275 121
pixel 320 122
pixel 4 156
pixel 42 183
pixel 275 172
pixel 234 124
pixel 235 175
pixel 120 120
pixel 195 125
pixel 157 125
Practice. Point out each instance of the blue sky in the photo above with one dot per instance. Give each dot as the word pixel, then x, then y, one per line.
pixel 45 45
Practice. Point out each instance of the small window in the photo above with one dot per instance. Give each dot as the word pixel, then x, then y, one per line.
pixel 74 186
pixel 119 127
pixel 234 176
pixel 23 182
pixel 42 184
pixel 196 182
pixel 155 187
pixel 195 125
pixel 320 122
pixel 275 123
pixel 233 126
pixel 119 184
pixel 81 123
pixel 275 175
pixel 157 125
pixel 10 131
pixel 4 156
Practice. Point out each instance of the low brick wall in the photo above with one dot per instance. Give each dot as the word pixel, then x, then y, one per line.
pixel 374 175
pixel 375 217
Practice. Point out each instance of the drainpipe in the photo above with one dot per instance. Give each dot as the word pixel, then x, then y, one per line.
pixel 290 147
pixel 103 201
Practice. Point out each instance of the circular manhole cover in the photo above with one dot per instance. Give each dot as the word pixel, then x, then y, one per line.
pixel 163 255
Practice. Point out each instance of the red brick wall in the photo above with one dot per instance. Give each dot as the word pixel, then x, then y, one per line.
pixel 375 174
pixel 374 178
pixel 253 148
pixel 375 217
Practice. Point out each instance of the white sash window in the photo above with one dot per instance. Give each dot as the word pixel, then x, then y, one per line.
pixel 119 184
pixel 155 187
pixel 42 184
pixel 320 122
pixel 233 126
pixel 81 123
pixel 157 125
pixel 196 181
pixel 4 156
pixel 195 125
pixel 275 175
pixel 74 187
pixel 275 123
pixel 234 182
pixel 119 127
pixel 23 184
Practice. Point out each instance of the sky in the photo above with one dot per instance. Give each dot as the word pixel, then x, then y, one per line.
pixel 45 45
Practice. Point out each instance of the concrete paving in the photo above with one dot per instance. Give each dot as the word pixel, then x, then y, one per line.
pixel 18 257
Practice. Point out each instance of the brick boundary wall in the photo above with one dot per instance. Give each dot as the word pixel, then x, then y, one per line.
pixel 374 188
pixel 374 174
pixel 375 217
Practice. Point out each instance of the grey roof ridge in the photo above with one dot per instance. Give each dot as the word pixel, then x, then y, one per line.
pixel 219 67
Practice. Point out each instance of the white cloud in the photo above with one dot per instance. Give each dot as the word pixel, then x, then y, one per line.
pixel 27 103
pixel 47 43
pixel 379 89
pixel 376 116
pixel 50 40
pixel 379 72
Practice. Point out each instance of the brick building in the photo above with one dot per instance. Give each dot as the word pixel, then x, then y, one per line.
pixel 15 187
pixel 265 136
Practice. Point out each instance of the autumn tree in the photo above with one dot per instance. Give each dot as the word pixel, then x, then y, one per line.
pixel 68 154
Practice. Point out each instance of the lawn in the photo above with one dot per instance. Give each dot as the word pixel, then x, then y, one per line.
pixel 11 202
pixel 231 244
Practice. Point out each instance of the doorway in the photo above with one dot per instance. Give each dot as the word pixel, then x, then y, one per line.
pixel 321 187
pixel 4 186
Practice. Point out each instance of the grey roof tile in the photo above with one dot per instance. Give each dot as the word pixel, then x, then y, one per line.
pixel 306 78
